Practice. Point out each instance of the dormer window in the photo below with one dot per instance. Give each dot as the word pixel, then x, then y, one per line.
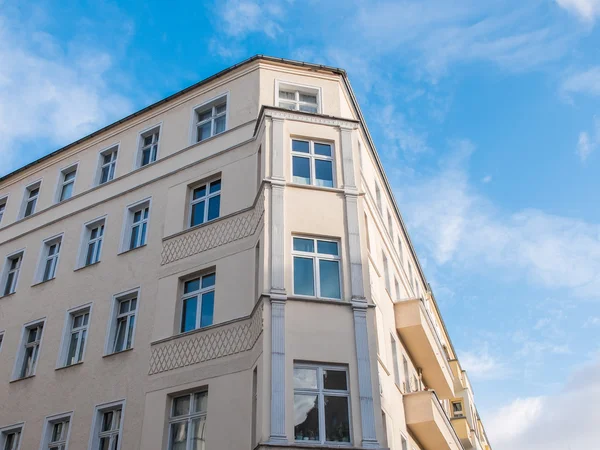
pixel 298 98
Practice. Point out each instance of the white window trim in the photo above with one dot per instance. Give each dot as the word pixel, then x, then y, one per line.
pixel 191 202
pixel 3 201
pixel 97 422
pixel 66 334
pixel 137 162
pixel 85 239
pixel 316 271
pixel 193 134
pixel 6 269
pixel 312 157
pixel 21 351
pixel 105 151
pixel 49 422
pixel 321 392
pixel 28 188
pixel 46 243
pixel 112 321
pixel 19 426
pixel 60 182
pixel 128 222
pixel 299 87
pixel 198 294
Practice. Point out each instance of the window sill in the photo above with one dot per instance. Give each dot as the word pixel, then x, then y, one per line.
pixel 108 355
pixel 21 379
pixel 8 295
pixel 316 188
pixel 129 250
pixel 330 301
pixel 70 365
pixel 86 266
pixel 43 282
pixel 312 444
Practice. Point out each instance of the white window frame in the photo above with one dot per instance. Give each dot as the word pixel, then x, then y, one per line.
pixel 462 409
pixel 113 149
pixel 198 293
pixel 312 157
pixel 211 103
pixel 26 198
pixel 23 345
pixel 321 393
pixel 3 204
pixel 111 333
pixel 299 88
pixel 96 433
pixel 189 418
pixel 68 330
pixel 62 182
pixel 128 223
pixel 5 431
pixel 206 182
pixel 45 257
pixel 316 257
pixel 157 128
pixel 6 270
pixel 49 422
pixel 86 240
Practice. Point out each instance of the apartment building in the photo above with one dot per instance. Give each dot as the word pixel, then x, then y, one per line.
pixel 224 269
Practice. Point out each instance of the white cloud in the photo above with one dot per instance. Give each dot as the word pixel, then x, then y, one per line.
pixel 566 420
pixel 242 17
pixel 584 146
pixel 585 82
pixel 486 179
pixel 50 92
pixel 458 226
pixel 481 365
pixel 592 322
pixel 586 10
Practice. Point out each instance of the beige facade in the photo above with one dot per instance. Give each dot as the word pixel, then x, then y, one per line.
pixel 225 269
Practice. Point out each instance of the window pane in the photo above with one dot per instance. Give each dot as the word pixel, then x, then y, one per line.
pixel 198 432
pixel 220 125
pixel 208 280
pixel 208 304
pixel 334 380
pixel 197 214
pixel 199 192
pixel 304 280
pixel 327 248
pixel 124 307
pixel 81 345
pixel 337 423
pixel 287 95
pixel 300 146
pixel 67 191
pixel 48 270
pixel 107 421
pixel 30 207
pixel 9 283
pixel 301 170
pixel 105 443
pixel 181 406
pixel 142 240
pixel 134 237
pixel 305 378
pixel 188 319
pixel 322 149
pixel 72 348
pixel 307 108
pixel 287 105
pixel 178 436
pixel 104 177
pixel 306 417
pixel 200 401
pixel 221 108
pixel 204 131
pixel 191 286
pixel 146 157
pixel 323 173
pixel 215 186
pixel 308 98
pixel 214 207
pixel 120 335
pixel 130 332
pixel 330 279
pixel 304 245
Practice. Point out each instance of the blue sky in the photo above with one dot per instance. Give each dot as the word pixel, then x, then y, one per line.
pixel 486 116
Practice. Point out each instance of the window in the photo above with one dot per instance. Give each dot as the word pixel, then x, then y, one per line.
pixel 12 266
pixel 378 197
pixel 187 422
pixel 316 268
pixel 2 207
pixel 386 273
pixel 1 339
pixel 312 163
pixel 400 251
pixel 123 324
pixel 210 118
pixel 367 234
pixel 76 336
pixel 254 405
pixel 395 361
pixel 198 302
pixel 404 443
pixel 390 225
pixel 66 183
pixel 148 147
pixel 90 249
pixel 49 259
pixel 108 164
pixel 321 404
pixel 32 193
pixel 56 432
pixel 107 427
pixel 410 277
pixel 137 221
pixel 457 409
pixel 406 377
pixel 10 437
pixel 298 98
pixel 29 350
pixel 205 203
pixel 397 286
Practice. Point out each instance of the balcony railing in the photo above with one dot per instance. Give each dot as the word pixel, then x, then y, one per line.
pixel 205 344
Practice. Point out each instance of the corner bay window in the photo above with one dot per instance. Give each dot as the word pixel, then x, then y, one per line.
pixel 198 302
pixel 321 404
pixel 316 268
pixel 205 203
pixel 187 422
pixel 312 163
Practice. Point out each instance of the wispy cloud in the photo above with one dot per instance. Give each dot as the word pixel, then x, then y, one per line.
pixel 587 143
pixel 482 365
pixel 584 82
pixel 586 10
pixel 242 17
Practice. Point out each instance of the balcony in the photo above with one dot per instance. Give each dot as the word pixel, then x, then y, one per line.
pixel 460 382
pixel 464 432
pixel 426 419
pixel 418 334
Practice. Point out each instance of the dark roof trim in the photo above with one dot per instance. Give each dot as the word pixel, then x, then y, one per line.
pixel 173 96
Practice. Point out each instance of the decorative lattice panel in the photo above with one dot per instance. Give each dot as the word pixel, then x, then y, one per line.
pixel 206 345
pixel 214 234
